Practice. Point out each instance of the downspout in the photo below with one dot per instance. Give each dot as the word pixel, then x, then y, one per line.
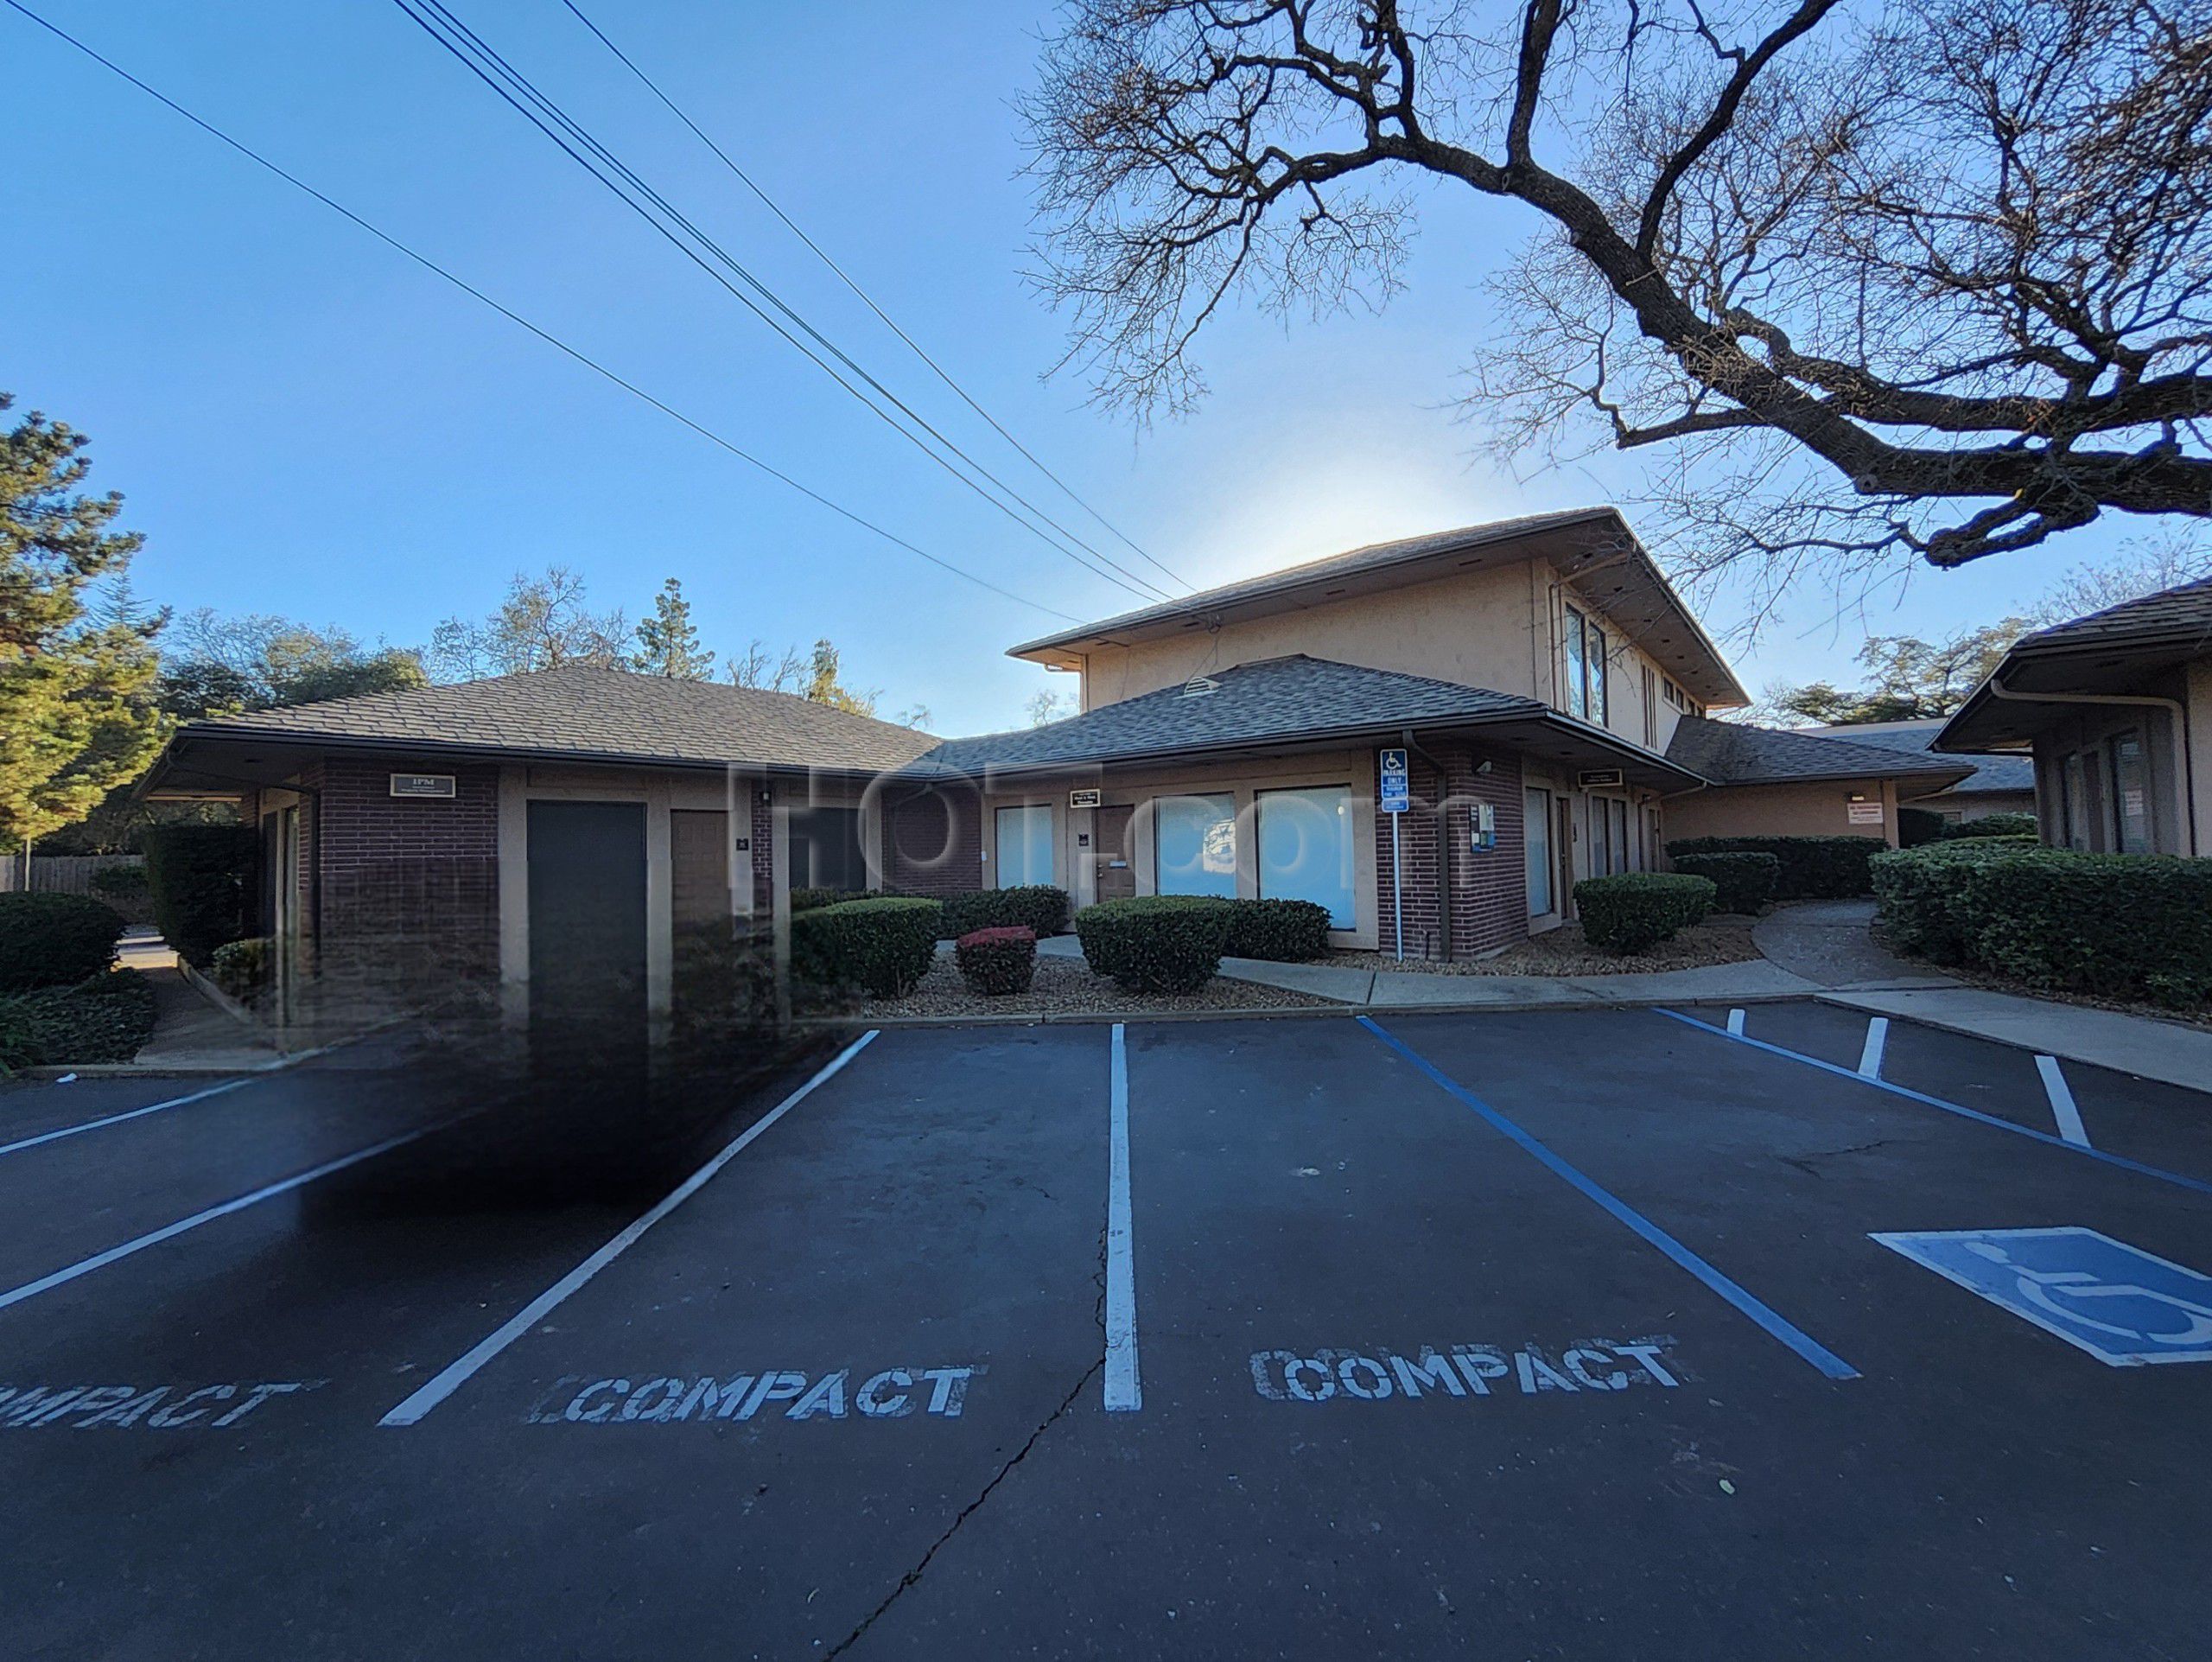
pixel 2183 773
pixel 1443 849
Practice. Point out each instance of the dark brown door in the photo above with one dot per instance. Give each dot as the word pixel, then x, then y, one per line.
pixel 1117 877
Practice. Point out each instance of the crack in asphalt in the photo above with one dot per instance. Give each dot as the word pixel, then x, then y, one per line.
pixel 1804 1161
pixel 966 1512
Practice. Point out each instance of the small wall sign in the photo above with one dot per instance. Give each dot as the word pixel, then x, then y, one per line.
pixel 1864 814
pixel 1083 798
pixel 1597 778
pixel 422 784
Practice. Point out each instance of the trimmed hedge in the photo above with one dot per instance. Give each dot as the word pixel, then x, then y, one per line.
pixel 1812 868
pixel 2117 925
pixel 1995 824
pixel 1039 907
pixel 995 962
pixel 813 899
pixel 1632 910
pixel 882 945
pixel 1743 882
pixel 1282 932
pixel 53 940
pixel 1155 943
pixel 197 877
pixel 240 968
pixel 105 1018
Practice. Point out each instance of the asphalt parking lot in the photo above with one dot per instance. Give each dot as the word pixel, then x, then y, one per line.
pixel 1511 1335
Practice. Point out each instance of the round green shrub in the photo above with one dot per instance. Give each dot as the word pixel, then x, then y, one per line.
pixel 120 883
pixel 53 940
pixel 241 967
pixel 105 1018
pixel 1743 882
pixel 997 962
pixel 1995 824
pixel 1155 943
pixel 1041 908
pixel 1282 932
pixel 883 946
pixel 1633 910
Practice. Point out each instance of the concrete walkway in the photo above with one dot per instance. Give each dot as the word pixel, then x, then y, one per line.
pixel 1829 943
pixel 2139 1045
pixel 1427 989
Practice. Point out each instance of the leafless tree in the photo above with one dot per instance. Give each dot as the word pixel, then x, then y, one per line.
pixel 543 624
pixel 1928 279
pixel 2145 565
pixel 755 667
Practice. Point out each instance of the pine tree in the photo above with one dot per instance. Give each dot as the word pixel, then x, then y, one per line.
pixel 823 686
pixel 667 644
pixel 78 713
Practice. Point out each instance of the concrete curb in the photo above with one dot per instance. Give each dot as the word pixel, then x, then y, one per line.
pixel 1097 1018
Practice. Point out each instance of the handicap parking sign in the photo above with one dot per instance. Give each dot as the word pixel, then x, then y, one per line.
pixel 1397 796
pixel 2121 1304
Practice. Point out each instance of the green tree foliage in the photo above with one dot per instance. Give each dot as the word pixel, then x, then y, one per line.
pixel 77 706
pixel 216 666
pixel 1909 678
pixel 543 624
pixel 667 642
pixel 825 686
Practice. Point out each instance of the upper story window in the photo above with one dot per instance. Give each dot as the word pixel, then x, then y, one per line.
pixel 1586 668
pixel 1578 665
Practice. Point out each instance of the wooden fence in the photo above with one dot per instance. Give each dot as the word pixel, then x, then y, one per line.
pixel 60 874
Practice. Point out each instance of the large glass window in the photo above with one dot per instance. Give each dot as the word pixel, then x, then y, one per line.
pixel 1578 684
pixel 2130 793
pixel 1621 860
pixel 1306 849
pixel 1194 845
pixel 826 849
pixel 1600 708
pixel 1536 842
pixel 1601 850
pixel 1024 840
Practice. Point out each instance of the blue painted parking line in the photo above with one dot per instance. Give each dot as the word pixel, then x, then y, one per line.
pixel 2124 1306
pixel 2179 1178
pixel 1774 1324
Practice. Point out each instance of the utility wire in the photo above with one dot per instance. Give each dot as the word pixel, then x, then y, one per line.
pixel 866 299
pixel 489 66
pixel 559 345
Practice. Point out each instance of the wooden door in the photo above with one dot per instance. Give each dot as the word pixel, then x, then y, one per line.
pixel 1112 855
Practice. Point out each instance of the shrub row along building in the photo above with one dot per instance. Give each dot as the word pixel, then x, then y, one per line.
pixel 559 833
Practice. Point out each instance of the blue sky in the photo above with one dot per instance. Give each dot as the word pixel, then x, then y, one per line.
pixel 303 421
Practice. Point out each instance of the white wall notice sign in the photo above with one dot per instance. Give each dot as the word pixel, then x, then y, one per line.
pixel 1865 813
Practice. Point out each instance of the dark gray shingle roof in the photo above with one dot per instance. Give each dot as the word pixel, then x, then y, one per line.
pixel 1732 753
pixel 1275 700
pixel 1990 774
pixel 601 713
pixel 2170 615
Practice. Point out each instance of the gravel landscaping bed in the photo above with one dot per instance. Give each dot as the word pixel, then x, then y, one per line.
pixel 1066 986
pixel 1564 952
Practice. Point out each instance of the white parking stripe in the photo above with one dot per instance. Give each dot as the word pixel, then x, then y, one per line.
pixel 1124 1389
pixel 117 1119
pixel 459 1372
pixel 1870 1057
pixel 170 1231
pixel 2062 1102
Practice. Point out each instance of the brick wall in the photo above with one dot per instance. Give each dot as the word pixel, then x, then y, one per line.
pixel 764 851
pixel 407 889
pixel 1489 896
pixel 933 840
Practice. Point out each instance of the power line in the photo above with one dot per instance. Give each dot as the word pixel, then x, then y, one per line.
pixel 559 345
pixel 488 66
pixel 866 299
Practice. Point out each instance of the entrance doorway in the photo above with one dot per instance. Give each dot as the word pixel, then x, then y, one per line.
pixel 1114 868
pixel 587 930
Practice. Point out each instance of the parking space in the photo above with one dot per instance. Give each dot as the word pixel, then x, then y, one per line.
pixel 2140 1119
pixel 1528 1333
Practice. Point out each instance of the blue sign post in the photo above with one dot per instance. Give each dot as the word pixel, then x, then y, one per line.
pixel 2123 1305
pixel 1397 797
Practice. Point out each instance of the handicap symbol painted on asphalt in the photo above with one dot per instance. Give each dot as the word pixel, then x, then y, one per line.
pixel 2121 1304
